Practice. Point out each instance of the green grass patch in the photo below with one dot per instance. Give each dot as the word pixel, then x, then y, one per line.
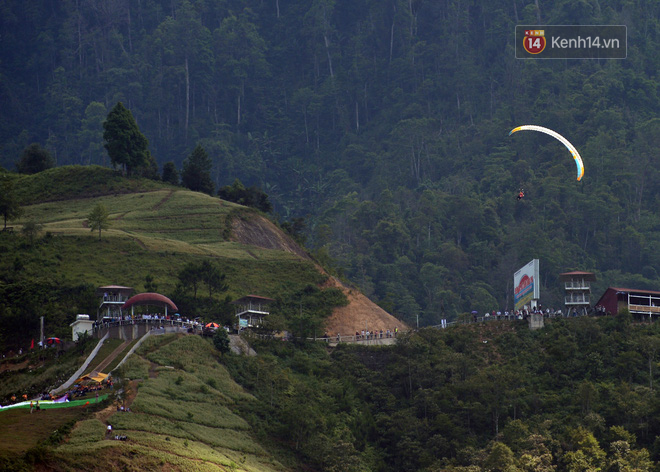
pixel 32 428
pixel 68 260
pixel 229 438
pixel 187 447
pixel 207 410
pixel 199 359
pixel 135 456
pixel 178 214
pixel 135 367
pixel 67 182
pixel 87 432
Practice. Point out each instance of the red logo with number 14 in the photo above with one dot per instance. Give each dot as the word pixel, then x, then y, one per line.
pixel 534 41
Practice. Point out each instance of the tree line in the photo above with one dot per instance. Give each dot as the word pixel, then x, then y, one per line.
pixel 579 394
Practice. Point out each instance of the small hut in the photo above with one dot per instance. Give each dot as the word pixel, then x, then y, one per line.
pixel 251 310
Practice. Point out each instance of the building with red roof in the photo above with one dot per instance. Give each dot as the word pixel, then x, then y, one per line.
pixel 150 299
pixel 642 304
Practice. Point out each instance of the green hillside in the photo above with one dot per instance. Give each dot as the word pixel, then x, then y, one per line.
pixel 70 182
pixel 578 395
pixel 154 230
pixel 155 216
pixel 181 416
pixel 384 125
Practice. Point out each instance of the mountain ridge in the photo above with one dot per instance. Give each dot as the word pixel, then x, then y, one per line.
pixel 159 218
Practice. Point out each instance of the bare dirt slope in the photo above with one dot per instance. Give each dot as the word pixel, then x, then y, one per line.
pixel 261 232
pixel 360 313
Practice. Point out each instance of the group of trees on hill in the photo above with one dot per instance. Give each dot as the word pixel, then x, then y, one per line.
pixel 191 279
pixel 385 126
pixel 128 148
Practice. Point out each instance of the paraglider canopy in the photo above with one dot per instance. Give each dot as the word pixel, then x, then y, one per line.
pixel 565 142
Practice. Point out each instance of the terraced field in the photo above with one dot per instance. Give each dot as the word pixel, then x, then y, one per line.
pixel 180 417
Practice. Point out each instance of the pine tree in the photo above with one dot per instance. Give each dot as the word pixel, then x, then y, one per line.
pixel 196 172
pixel 170 174
pixel 126 145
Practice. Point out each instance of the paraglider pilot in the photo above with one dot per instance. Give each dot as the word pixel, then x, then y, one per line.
pixel 521 194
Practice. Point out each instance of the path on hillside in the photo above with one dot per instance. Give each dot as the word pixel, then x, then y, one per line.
pixel 106 362
pixel 157 206
pixel 130 394
pixel 130 390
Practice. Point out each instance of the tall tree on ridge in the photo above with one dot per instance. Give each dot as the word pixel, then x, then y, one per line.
pixel 196 172
pixel 126 145
pixel 170 174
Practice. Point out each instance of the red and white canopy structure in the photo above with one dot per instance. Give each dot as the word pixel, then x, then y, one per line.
pixel 152 299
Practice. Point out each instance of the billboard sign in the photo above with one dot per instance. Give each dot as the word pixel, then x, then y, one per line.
pixel 526 285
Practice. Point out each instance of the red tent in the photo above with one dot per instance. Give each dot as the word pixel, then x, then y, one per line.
pixel 212 325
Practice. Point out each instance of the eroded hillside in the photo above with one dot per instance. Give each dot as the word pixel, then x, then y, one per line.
pixel 359 314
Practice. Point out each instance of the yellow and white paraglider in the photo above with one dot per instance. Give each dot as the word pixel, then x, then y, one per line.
pixel 554 134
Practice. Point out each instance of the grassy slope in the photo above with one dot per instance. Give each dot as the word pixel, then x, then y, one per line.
pixel 181 418
pixel 154 229
pixel 67 182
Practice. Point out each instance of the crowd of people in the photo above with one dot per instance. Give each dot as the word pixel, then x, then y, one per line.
pixel 81 390
pixel 78 390
pixel 518 314
pixel 365 334
pixel 147 317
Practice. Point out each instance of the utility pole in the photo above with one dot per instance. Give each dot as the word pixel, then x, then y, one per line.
pixel 41 336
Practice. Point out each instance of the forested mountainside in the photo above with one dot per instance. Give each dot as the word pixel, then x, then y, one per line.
pixel 578 395
pixel 384 124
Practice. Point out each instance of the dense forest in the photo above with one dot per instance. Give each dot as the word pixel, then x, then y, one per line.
pixel 578 395
pixel 383 124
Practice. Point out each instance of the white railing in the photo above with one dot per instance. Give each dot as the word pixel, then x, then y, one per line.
pixel 577 299
pixel 577 284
